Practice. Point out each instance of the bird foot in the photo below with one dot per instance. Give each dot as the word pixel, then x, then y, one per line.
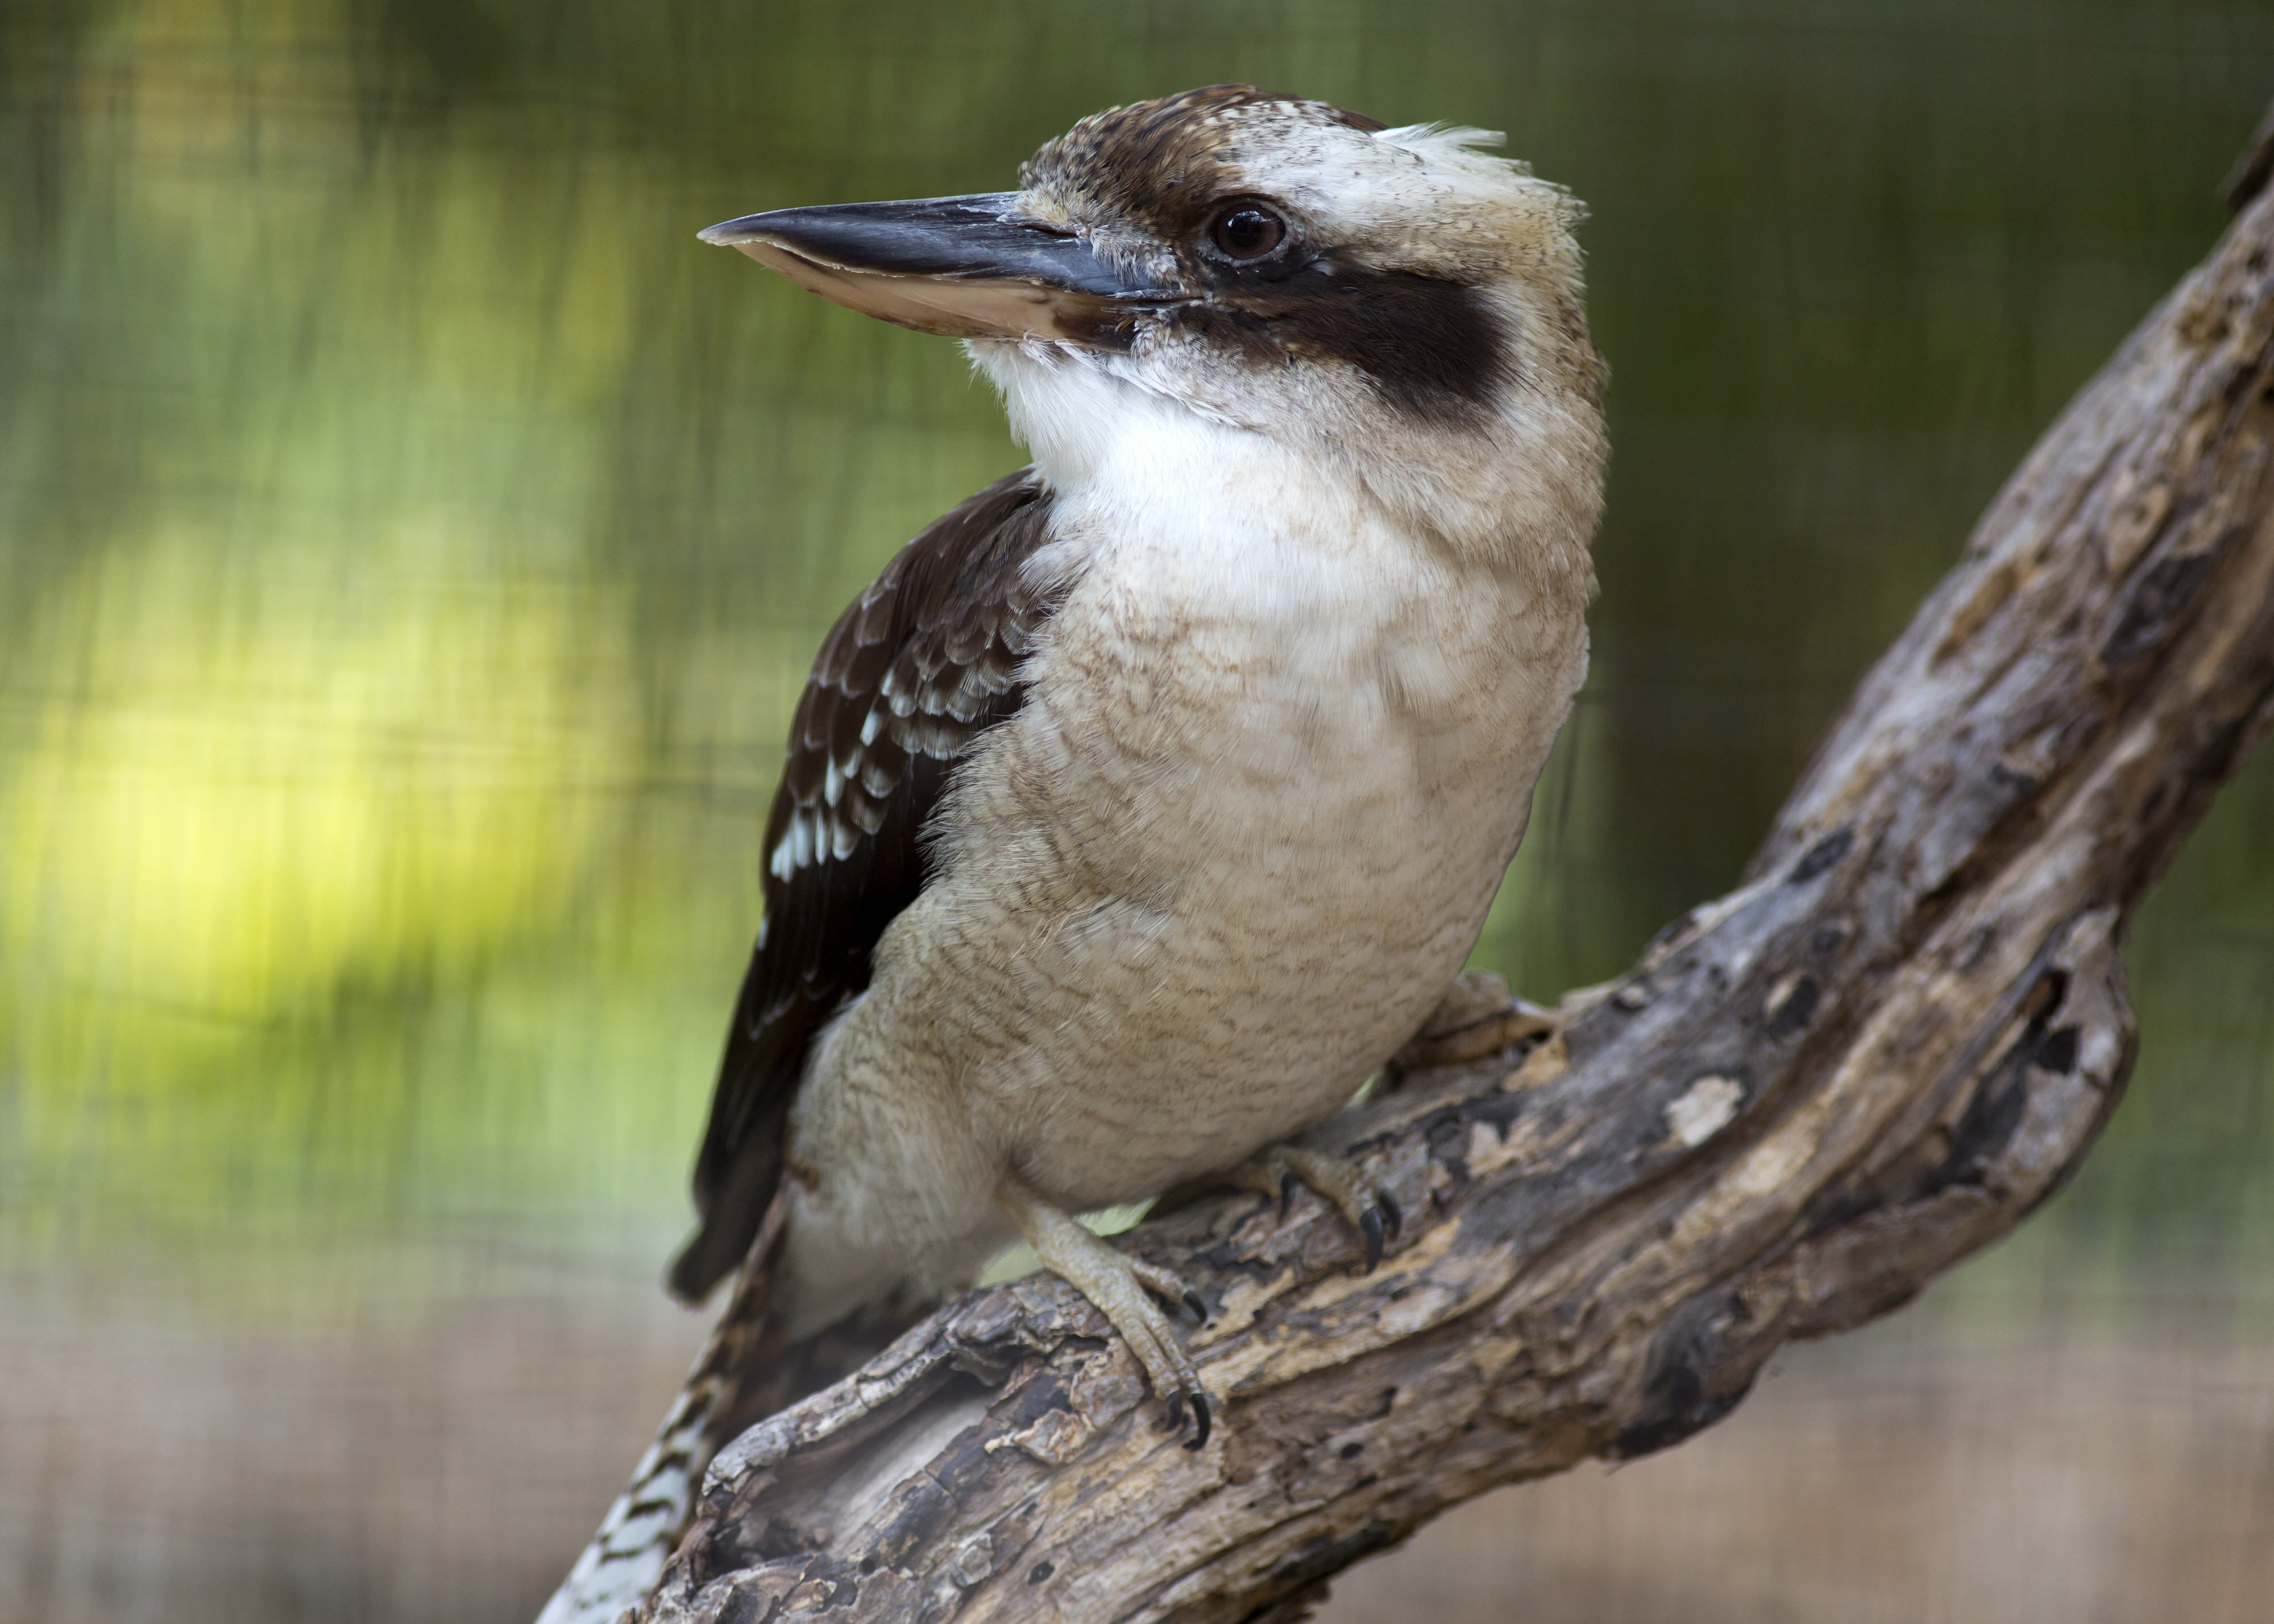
pixel 1121 1287
pixel 1372 1210
pixel 1477 1016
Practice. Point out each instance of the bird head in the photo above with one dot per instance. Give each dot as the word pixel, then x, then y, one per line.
pixel 1391 301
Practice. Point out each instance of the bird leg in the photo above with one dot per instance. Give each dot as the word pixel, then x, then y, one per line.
pixel 1116 1285
pixel 1372 1210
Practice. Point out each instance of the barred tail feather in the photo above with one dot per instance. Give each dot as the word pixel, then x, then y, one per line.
pixel 621 1566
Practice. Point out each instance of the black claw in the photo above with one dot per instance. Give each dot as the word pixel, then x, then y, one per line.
pixel 1177 1411
pixel 1287 1182
pixel 1192 1301
pixel 1392 1219
pixel 1199 1440
pixel 1370 1224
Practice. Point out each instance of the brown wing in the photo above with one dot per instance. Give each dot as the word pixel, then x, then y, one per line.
pixel 926 660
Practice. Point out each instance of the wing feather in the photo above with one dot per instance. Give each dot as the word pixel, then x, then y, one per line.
pixel 917 668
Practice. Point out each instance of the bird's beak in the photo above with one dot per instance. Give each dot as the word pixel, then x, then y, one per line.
pixel 968 266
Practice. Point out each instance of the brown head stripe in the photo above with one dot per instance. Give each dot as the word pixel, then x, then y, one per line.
pixel 1159 162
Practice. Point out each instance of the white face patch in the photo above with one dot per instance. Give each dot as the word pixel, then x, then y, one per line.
pixel 1073 412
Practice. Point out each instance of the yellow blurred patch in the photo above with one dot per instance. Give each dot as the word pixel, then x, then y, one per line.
pixel 246 789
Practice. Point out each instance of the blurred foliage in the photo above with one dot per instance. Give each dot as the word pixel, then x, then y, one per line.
pixel 411 540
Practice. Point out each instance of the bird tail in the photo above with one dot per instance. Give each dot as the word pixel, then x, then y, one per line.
pixel 751 1367
pixel 621 1566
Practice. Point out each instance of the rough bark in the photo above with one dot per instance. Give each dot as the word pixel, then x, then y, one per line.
pixel 1899 1035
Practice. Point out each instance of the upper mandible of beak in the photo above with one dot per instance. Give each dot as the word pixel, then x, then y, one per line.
pixel 968 267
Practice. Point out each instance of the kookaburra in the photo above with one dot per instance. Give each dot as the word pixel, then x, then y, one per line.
pixel 1150 800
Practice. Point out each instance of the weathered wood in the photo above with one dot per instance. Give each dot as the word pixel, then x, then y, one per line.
pixel 1895 1040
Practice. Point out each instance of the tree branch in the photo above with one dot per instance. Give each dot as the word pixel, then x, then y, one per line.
pixel 1898 1036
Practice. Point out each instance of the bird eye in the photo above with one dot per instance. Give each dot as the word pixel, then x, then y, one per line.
pixel 1246 229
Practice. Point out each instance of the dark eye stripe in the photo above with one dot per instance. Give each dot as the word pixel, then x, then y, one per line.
pixel 1432 348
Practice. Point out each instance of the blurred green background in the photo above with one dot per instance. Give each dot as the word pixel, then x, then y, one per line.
pixel 412 543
